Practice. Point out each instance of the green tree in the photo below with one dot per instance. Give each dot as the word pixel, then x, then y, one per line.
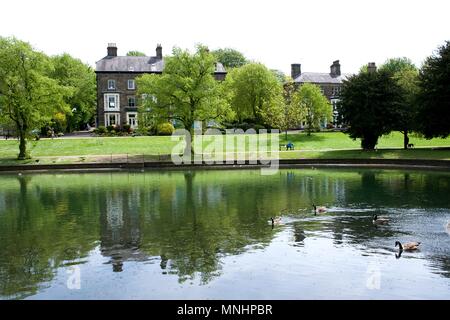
pixel 293 114
pixel 315 105
pixel 186 91
pixel 255 94
pixel 230 58
pixel 405 73
pixel 434 94
pixel 395 65
pixel 281 77
pixel 28 96
pixel 368 106
pixel 80 78
pixel 135 54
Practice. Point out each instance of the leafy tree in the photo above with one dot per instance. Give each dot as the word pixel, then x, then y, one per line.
pixel 135 54
pixel 434 94
pixel 395 65
pixel 368 106
pixel 315 105
pixel 80 78
pixel 281 77
pixel 255 94
pixel 293 114
pixel 28 96
pixel 230 58
pixel 405 73
pixel 186 91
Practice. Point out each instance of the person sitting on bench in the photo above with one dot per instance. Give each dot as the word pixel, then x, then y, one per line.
pixel 290 146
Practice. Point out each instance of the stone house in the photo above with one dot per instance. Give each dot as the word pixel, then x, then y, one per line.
pixel 117 100
pixel 329 83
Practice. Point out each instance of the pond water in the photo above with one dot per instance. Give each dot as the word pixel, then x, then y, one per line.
pixel 205 235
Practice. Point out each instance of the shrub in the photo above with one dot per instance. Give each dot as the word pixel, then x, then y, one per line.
pixel 127 128
pixel 110 128
pixel 165 129
pixel 100 130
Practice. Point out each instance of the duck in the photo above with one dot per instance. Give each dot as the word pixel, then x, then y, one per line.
pixel 276 220
pixel 320 209
pixel 409 246
pixel 377 220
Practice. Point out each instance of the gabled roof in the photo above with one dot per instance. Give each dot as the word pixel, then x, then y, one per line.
pixel 137 64
pixel 130 64
pixel 318 77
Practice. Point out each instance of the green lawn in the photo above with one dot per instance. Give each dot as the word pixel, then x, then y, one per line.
pixel 318 145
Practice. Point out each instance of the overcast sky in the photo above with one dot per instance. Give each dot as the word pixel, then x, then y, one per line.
pixel 276 33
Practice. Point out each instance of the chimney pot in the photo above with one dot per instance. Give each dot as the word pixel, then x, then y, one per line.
pixel 296 70
pixel 371 67
pixel 335 69
pixel 159 51
pixel 112 50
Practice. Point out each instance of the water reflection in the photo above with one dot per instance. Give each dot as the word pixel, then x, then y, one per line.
pixel 189 222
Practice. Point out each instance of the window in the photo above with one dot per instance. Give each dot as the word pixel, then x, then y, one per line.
pixel 132 119
pixel 131 101
pixel 112 119
pixel 111 84
pixel 131 84
pixel 335 91
pixel 112 102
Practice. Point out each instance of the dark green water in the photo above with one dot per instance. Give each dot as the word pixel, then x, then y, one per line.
pixel 205 234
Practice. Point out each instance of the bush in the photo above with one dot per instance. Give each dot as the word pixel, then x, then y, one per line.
pixel 110 128
pixel 165 129
pixel 127 128
pixel 100 130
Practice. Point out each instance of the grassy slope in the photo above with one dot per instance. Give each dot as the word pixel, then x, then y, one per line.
pixel 318 145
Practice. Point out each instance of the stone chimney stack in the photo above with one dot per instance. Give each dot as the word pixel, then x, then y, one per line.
pixel 159 51
pixel 335 69
pixel 296 70
pixel 371 67
pixel 112 50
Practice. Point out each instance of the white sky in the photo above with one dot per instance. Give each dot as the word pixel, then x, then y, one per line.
pixel 276 33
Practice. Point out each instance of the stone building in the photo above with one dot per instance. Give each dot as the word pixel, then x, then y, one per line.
pixel 117 100
pixel 330 84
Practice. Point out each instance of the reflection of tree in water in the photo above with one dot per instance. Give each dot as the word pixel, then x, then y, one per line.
pixel 36 239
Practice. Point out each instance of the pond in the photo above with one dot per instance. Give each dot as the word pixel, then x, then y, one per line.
pixel 206 235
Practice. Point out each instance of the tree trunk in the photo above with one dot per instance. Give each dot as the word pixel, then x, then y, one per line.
pixel 369 141
pixel 22 146
pixel 405 139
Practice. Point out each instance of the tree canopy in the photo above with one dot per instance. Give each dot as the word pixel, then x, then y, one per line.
pixel 230 58
pixel 405 74
pixel 434 94
pixel 186 91
pixel 80 78
pixel 315 105
pixel 255 94
pixel 369 105
pixel 29 97
pixel 135 54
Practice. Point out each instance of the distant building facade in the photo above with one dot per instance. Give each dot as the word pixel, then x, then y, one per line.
pixel 117 100
pixel 330 84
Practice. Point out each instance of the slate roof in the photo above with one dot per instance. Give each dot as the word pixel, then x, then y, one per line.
pixel 137 64
pixel 317 77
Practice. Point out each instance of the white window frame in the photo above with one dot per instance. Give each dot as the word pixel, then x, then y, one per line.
pixel 135 119
pixel 113 87
pixel 133 87
pixel 108 123
pixel 117 101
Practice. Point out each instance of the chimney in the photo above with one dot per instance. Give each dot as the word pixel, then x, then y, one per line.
pixel 159 51
pixel 112 50
pixel 296 70
pixel 335 69
pixel 371 67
